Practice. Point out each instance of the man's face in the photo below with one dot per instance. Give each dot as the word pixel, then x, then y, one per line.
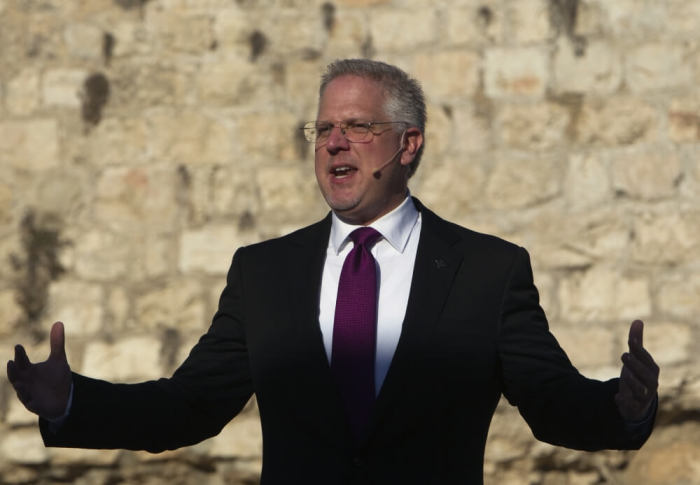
pixel 358 195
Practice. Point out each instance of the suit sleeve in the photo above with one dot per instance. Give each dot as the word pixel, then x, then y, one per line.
pixel 204 393
pixel 561 406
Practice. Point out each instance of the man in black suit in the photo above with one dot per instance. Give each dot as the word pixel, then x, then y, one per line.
pixel 454 323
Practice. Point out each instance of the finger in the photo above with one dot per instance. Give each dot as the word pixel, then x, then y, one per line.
pixel 57 341
pixel 636 335
pixel 648 375
pixel 639 391
pixel 12 372
pixel 21 358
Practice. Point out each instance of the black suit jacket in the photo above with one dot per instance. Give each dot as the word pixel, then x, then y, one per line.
pixel 473 330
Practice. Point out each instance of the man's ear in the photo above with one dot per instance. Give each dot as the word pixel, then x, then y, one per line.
pixel 411 141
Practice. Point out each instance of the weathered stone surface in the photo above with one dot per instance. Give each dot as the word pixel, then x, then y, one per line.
pixel 210 249
pixel 597 70
pixel 669 343
pixel 131 359
pixel 601 293
pixel 471 130
pixel 529 21
pixel 646 175
pixel 666 238
pixel 78 305
pixel 454 186
pixel 678 296
pixel 23 95
pixel 656 66
pixel 241 438
pixel 75 456
pixel 616 121
pixel 101 255
pixel 17 414
pixel 533 126
pixel 24 446
pixel 401 29
pixel 448 73
pixel 587 182
pixel 10 311
pixel 83 41
pixel 515 72
pixel 286 189
pixel 63 87
pixel 29 145
pixel 180 305
pixel 522 182
pixel 474 23
pixel 588 346
pixel 684 119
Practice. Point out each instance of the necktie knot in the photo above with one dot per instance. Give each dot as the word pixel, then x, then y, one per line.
pixel 365 236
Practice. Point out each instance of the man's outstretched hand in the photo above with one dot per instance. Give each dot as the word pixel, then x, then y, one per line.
pixel 639 379
pixel 43 387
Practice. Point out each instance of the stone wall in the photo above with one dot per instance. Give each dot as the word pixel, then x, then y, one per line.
pixel 142 141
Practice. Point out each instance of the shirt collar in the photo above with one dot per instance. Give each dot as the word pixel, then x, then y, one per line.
pixel 395 227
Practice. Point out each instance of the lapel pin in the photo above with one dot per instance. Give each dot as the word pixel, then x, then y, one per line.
pixel 440 263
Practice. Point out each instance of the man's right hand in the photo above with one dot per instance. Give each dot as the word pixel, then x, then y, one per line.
pixel 43 387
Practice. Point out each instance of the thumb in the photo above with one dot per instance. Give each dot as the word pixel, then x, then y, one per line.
pixel 58 342
pixel 636 336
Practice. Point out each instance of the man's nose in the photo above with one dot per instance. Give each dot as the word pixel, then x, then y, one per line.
pixel 336 140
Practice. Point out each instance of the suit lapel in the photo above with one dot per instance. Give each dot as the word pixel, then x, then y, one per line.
pixel 438 258
pixel 319 397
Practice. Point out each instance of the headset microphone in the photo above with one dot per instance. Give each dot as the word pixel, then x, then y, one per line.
pixel 378 173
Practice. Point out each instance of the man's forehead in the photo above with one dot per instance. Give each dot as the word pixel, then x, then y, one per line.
pixel 352 97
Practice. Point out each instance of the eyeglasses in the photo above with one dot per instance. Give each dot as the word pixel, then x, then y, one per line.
pixel 353 131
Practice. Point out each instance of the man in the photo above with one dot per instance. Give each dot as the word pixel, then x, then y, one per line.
pixel 376 355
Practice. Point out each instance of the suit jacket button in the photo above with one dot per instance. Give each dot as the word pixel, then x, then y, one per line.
pixel 358 462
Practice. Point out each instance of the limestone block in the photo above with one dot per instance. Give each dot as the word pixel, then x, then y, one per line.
pixel 233 191
pixel 229 82
pixel 684 16
pixel 23 95
pixel 190 137
pixel 646 174
pixel 301 79
pixel 684 119
pixel 61 191
pixel 75 456
pixel 241 438
pixel 287 189
pixel 289 30
pixel 522 181
pixel 255 131
pixel 119 141
pixel 180 31
pixel 668 343
pixel 634 19
pixel 231 28
pixel 24 446
pixel 346 38
pixel 131 38
pixel 587 182
pixel 62 87
pixel 10 311
pixel 471 130
pixel 670 456
pixel 604 294
pixel 532 126
pixel 17 414
pixel 7 199
pixel 129 197
pixel 402 29
pixel 29 145
pixel 83 41
pixel 616 121
pixel 657 66
pixel 666 238
pixel 211 248
pixel 588 346
pixel 78 305
pixel 101 255
pixel 117 308
pixel 180 305
pixel 515 72
pixel 448 73
pixel 438 133
pixel 598 70
pixel 678 296
pixel 529 21
pixel 130 359
pixel 453 187
pixel 362 3
pixel 474 24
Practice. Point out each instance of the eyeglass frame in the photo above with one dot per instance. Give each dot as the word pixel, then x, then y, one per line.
pixel 343 127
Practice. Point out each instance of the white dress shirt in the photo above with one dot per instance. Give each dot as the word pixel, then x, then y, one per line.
pixel 395 254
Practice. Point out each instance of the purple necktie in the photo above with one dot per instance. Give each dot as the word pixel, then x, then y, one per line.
pixel 354 330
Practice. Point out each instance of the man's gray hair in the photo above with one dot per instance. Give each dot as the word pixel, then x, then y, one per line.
pixel 404 96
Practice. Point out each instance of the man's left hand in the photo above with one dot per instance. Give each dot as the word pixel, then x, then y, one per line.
pixel 639 379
